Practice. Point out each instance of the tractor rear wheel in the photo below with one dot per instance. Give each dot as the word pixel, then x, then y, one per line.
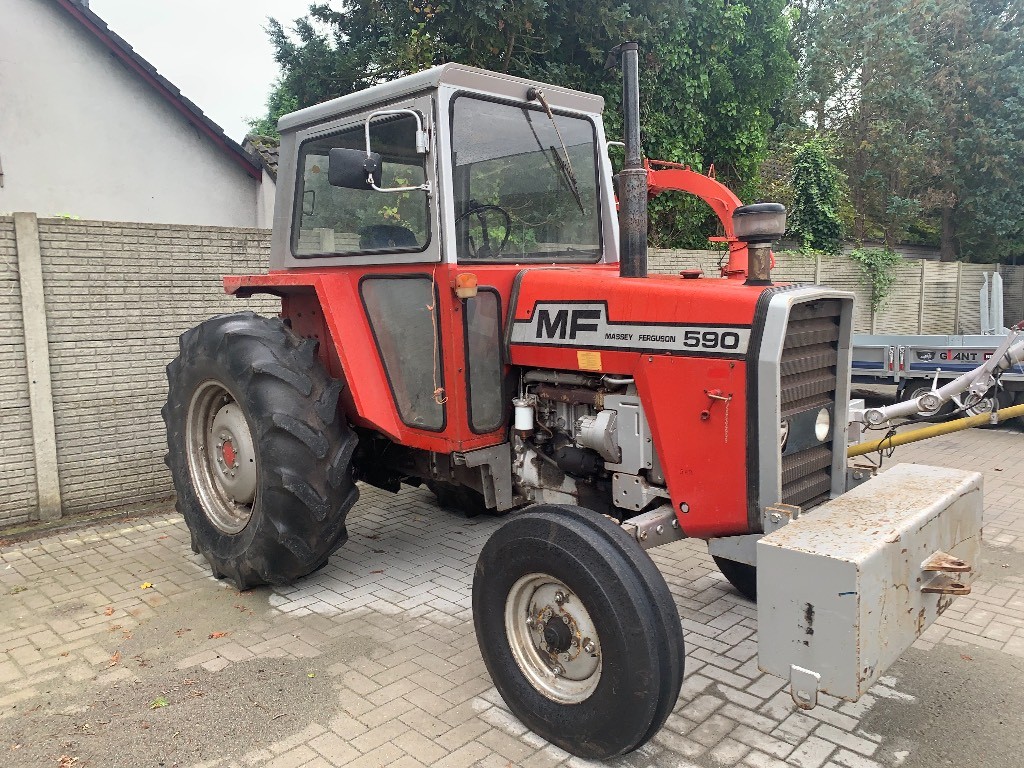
pixel 578 630
pixel 258 452
pixel 741 575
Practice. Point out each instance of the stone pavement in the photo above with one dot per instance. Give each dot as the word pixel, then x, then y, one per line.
pixel 118 648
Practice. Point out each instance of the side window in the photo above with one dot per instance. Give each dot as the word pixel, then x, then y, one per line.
pixel 403 315
pixel 335 220
pixel 483 361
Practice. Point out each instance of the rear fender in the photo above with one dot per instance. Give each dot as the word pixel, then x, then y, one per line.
pixel 327 308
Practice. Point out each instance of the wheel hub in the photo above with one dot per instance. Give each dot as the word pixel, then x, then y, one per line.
pixel 553 638
pixel 221 457
pixel 557 635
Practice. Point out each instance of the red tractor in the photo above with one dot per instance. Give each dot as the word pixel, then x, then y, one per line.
pixel 465 304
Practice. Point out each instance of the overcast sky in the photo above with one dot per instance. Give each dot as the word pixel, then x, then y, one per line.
pixel 214 51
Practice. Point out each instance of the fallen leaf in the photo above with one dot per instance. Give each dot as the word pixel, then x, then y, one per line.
pixel 965 657
pixel 145 585
pixel 109 611
pixel 159 702
pixel 161 537
pixel 16 590
pixel 115 659
pixel 218 635
pixel 66 761
pixel 311 674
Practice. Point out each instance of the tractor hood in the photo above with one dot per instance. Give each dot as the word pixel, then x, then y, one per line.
pixel 575 318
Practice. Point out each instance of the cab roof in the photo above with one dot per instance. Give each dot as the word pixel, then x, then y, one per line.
pixel 457 76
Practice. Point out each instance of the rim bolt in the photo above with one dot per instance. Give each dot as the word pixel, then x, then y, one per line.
pixel 565 619
pixel 530 622
pixel 560 598
pixel 557 669
pixel 588 645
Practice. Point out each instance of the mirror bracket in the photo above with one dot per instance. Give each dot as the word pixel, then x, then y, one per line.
pixel 422 147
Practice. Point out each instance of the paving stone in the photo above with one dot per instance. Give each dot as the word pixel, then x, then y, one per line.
pixel 418 693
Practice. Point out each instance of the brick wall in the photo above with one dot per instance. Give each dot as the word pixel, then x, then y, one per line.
pixel 17 462
pixel 118 295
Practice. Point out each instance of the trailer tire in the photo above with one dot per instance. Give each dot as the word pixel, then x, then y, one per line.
pixel 741 575
pixel 259 455
pixel 604 700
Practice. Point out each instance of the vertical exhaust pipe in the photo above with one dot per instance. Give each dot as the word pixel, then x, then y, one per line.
pixel 633 177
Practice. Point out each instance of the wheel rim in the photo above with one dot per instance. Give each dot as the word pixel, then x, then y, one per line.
pixel 973 405
pixel 553 639
pixel 221 457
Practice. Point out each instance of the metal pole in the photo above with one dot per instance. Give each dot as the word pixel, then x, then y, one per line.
pixel 633 177
pixel 934 430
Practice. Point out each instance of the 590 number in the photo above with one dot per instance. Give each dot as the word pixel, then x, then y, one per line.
pixel 711 339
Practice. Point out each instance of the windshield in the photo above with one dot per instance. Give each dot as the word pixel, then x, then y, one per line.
pixel 524 191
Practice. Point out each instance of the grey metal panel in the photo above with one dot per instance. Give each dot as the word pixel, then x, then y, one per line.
pixel 839 590
pixel 455 75
pixel 769 384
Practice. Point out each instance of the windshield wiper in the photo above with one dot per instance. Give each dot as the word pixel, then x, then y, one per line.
pixel 564 163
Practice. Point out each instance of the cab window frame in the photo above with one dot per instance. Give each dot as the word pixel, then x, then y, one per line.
pixel 598 256
pixel 357 125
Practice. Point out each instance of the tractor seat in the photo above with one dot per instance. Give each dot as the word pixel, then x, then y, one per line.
pixel 383 236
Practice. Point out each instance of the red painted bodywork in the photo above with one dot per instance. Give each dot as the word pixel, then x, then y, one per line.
pixel 663 176
pixel 325 304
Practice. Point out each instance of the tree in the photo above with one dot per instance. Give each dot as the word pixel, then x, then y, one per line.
pixel 711 76
pixel 814 219
pixel 924 99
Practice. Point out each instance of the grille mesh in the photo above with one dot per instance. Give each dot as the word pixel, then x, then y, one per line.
pixel 810 356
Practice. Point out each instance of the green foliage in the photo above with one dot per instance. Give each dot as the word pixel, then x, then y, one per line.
pixel 924 101
pixel 814 219
pixel 712 75
pixel 878 272
pixel 280 102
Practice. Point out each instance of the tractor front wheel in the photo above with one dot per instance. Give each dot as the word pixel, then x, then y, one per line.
pixel 741 575
pixel 578 630
pixel 258 453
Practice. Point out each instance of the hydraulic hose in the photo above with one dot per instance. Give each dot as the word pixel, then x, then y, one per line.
pixel 934 430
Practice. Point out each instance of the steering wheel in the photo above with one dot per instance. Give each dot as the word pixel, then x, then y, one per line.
pixel 486 249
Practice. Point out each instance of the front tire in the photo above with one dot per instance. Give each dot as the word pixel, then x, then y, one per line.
pixel 578 630
pixel 741 575
pixel 258 452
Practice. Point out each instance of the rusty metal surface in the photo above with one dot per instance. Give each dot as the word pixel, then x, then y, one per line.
pixel 843 590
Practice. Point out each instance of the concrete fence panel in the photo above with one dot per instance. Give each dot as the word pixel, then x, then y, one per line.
pixel 109 300
pixel 18 494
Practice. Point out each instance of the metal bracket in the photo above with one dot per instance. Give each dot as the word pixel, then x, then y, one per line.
pixel 495 465
pixel 778 515
pixel 803 687
pixel 741 549
pixel 943 563
pixel 654 528
pixel 634 492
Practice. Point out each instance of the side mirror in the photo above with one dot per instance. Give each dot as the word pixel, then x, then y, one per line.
pixel 350 168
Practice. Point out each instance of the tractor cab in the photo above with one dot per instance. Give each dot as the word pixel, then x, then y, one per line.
pixel 474 167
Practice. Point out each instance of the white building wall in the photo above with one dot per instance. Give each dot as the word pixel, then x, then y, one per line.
pixel 82 135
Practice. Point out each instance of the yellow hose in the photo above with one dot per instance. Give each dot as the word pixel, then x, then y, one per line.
pixel 934 430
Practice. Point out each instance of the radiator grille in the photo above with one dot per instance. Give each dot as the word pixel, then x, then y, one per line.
pixel 810 357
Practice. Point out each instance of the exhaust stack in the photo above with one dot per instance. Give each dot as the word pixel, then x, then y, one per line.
pixel 633 176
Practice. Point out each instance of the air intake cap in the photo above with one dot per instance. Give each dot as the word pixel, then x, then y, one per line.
pixel 760 222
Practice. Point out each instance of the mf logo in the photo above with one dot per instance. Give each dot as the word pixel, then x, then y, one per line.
pixel 556 324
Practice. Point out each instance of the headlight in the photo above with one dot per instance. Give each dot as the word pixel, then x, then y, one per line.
pixel 783 433
pixel 822 425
